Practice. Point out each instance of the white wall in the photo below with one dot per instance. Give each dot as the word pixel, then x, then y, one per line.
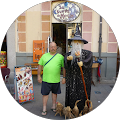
pixel 11 52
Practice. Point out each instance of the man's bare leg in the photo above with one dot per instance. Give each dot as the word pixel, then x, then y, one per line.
pixel 54 98
pixel 45 99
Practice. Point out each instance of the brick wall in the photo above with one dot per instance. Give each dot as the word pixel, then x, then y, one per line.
pixel 21 33
pixel 87 26
pixel 112 42
pixel 46 20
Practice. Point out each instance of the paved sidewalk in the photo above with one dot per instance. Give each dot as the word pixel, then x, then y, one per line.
pixel 99 93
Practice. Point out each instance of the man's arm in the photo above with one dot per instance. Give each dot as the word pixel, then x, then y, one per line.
pixel 39 75
pixel 64 73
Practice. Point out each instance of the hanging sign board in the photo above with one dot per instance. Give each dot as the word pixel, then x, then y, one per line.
pixel 66 12
pixel 24 84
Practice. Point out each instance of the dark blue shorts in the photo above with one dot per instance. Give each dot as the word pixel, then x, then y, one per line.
pixel 47 87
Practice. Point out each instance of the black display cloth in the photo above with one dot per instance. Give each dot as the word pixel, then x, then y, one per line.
pixel 74 84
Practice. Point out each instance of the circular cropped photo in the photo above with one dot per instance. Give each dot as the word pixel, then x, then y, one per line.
pixel 59 60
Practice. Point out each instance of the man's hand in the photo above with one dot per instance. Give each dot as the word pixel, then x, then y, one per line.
pixel 39 79
pixel 63 81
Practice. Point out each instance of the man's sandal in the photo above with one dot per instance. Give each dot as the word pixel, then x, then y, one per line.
pixel 44 113
pixel 53 109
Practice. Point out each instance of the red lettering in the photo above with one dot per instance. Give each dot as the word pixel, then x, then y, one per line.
pixel 59 6
pixel 66 11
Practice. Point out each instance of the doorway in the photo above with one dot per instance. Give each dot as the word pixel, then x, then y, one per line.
pixel 59 37
pixel 61 33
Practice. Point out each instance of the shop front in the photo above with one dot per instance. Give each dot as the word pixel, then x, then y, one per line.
pixel 65 16
pixel 57 20
pixel 3 54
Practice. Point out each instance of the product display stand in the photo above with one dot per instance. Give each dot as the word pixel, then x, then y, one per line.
pixel 23 84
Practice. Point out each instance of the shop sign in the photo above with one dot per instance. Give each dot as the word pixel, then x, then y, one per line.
pixel 66 12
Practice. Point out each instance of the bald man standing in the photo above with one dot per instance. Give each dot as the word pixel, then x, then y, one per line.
pixel 51 63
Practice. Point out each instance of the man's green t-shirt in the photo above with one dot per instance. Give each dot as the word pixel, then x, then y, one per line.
pixel 51 71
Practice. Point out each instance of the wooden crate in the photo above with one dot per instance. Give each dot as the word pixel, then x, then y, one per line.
pixel 95 65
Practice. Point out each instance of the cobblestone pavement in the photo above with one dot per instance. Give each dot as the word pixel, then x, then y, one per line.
pixel 99 93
